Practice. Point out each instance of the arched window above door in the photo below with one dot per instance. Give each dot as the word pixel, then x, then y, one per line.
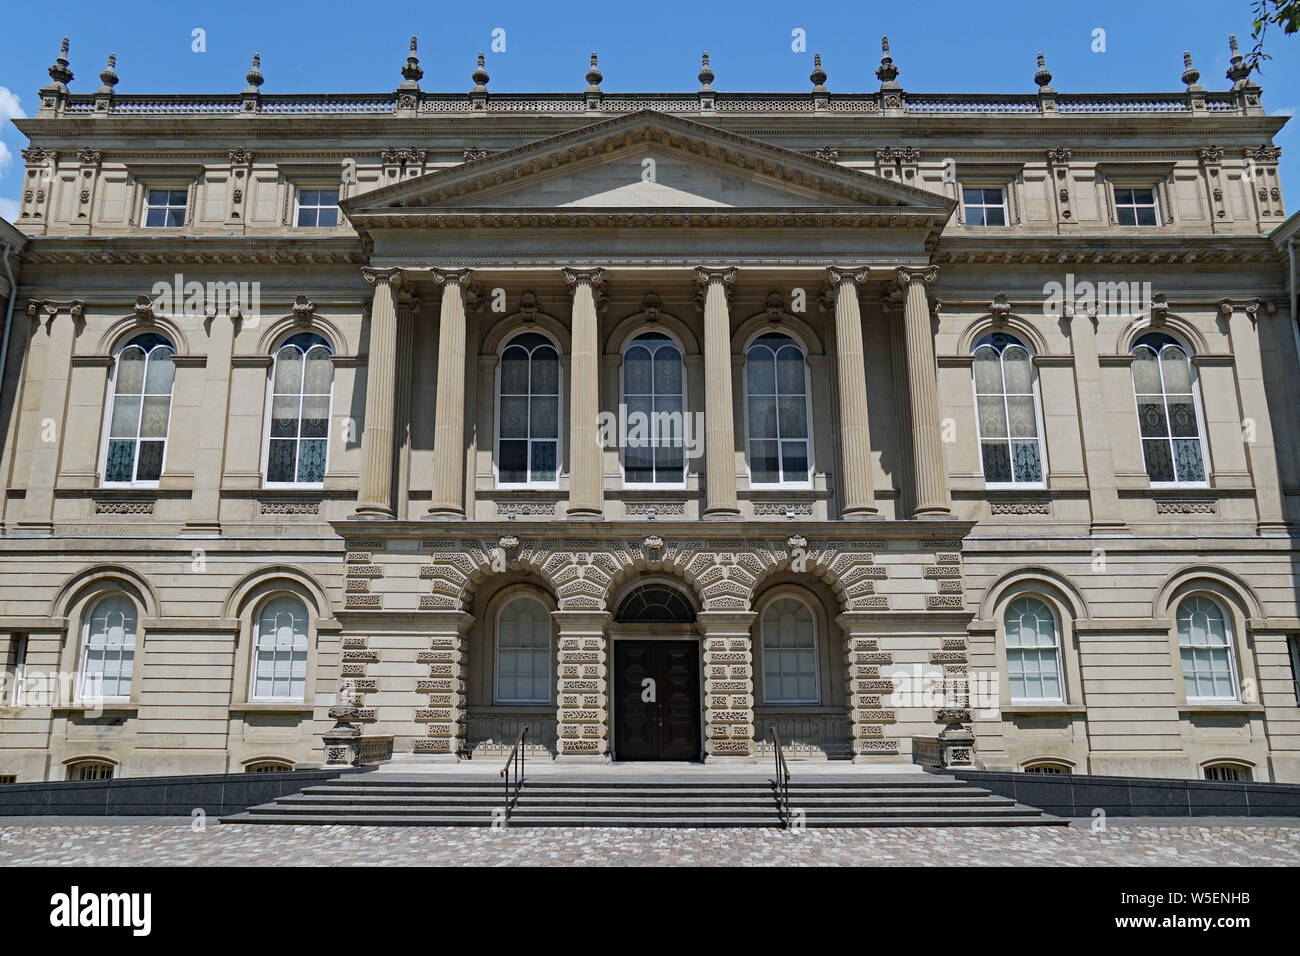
pixel 655 604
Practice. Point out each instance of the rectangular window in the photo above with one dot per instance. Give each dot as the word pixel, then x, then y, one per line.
pixel 1227 772
pixel 19 670
pixel 318 207
pixel 164 208
pixel 984 207
pixel 8 778
pixel 1136 207
pixel 1293 645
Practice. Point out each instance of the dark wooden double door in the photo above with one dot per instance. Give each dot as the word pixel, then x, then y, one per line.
pixel 656 700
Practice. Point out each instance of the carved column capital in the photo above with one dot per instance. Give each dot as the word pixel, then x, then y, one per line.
pixel 594 277
pixel 909 274
pixel 838 275
pixel 460 277
pixel 372 276
pixel 705 275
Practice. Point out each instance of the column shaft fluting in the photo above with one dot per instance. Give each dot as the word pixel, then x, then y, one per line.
pixel 923 388
pixel 586 497
pixel 449 413
pixel 859 494
pixel 719 415
pixel 375 494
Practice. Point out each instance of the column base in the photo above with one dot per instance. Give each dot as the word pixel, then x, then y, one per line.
pixel 373 512
pixel 444 514
pixel 585 514
pixel 1273 528
pixel 933 513
pixel 721 514
pixel 860 514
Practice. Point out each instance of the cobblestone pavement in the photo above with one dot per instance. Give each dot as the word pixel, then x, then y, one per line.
pixel 148 844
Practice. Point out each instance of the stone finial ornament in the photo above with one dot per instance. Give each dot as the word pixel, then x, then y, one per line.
pixel 411 72
pixel 1044 76
pixel 480 77
pixel 705 74
pixel 1238 71
pixel 887 73
pixel 1191 75
pixel 818 75
pixel 254 76
pixel 594 76
pixel 59 72
pixel 108 76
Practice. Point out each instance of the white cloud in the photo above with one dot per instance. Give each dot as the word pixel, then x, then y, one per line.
pixel 6 158
pixel 10 107
pixel 8 209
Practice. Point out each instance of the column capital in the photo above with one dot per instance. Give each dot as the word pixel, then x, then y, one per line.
pixel 838 275
pixel 374 276
pixel 1250 306
pixel 573 277
pixel 460 277
pixel 704 275
pixel 909 274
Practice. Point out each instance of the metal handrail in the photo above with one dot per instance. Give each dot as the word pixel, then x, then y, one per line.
pixel 516 759
pixel 782 782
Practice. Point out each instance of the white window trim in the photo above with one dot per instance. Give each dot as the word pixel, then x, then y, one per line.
pixel 808 412
pixel 1196 405
pixel 622 399
pixel 561 442
pixel 1056 637
pixel 1038 423
pixel 816 652
pixel 269 402
pixel 82 673
pixel 496 653
pixel 20 647
pixel 1006 203
pixel 1293 649
pixel 170 186
pixel 1234 672
pixel 252 670
pixel 107 425
pixel 1154 186
pixel 297 204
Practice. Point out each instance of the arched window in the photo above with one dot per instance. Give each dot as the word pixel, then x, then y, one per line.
pixel 1205 646
pixel 789 653
pixel 528 413
pixel 90 770
pixel 523 653
pixel 298 433
pixel 1048 767
pixel 1164 381
pixel 1033 651
pixel 653 392
pixel 776 384
pixel 280 650
pixel 268 766
pixel 1227 771
pixel 1007 407
pixel 655 604
pixel 142 400
pixel 108 649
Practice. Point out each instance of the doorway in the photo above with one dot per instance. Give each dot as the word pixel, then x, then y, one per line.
pixel 656 700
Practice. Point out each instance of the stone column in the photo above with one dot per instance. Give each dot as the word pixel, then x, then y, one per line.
pixel 375 494
pixel 586 497
pixel 923 389
pixel 407 310
pixel 582 712
pixel 856 480
pixel 60 337
pixel 719 413
pixel 445 685
pixel 728 685
pixel 449 412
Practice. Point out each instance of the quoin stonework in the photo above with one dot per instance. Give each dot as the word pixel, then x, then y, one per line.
pixel 963 429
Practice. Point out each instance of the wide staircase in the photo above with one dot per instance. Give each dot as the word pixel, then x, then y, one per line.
pixel 649 800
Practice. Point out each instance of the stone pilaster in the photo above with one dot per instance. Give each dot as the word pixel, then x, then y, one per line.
pixel 407 310
pixel 445 685
pixel 205 505
pixel 586 496
pixel 719 413
pixel 1103 493
pixel 375 495
pixel 869 693
pixel 449 413
pixel 858 492
pixel 582 711
pixel 59 321
pixel 923 390
pixel 728 685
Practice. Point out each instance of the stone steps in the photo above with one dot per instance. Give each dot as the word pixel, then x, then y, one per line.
pixel 390 800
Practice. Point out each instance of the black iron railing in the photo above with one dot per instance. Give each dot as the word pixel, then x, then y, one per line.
pixel 782 782
pixel 514 762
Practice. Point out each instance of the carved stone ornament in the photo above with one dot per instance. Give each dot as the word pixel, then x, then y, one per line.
pixel 796 541
pixel 241 156
pixel 508 543
pixel 473 153
pixel 1059 154
pixel 1000 309
pixel 303 308
pixel 828 153
pixel 653 542
pixel 651 307
pixel 144 308
pixel 528 306
pixel 1159 308
pixel 774 306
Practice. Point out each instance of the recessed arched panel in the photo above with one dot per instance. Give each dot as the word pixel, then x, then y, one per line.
pixel 657 604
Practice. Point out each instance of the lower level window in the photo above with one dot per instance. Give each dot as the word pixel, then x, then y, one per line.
pixel 280 667
pixel 523 653
pixel 268 766
pixel 8 778
pixel 1048 768
pixel 90 770
pixel 108 654
pixel 1227 771
pixel 1033 651
pixel 1205 645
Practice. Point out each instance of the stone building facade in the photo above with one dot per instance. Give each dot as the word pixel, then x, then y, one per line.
pixel 957 412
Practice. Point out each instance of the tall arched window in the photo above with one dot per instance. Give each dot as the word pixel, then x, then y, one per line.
pixel 1033 651
pixel 142 400
pixel 108 649
pixel 523 653
pixel 280 650
pixel 776 384
pixel 1007 409
pixel 789 653
pixel 528 413
pixel 1164 381
pixel 654 394
pixel 1205 646
pixel 298 431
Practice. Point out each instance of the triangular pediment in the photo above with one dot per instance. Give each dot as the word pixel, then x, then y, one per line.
pixel 645 162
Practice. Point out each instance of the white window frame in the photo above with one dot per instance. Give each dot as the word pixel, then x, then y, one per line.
pixel 110 405
pixel 816 652
pixel 1244 772
pixel 298 206
pixel 77 767
pixel 1153 188
pixel 1005 205
pixel 1229 648
pixel 270 411
pixel 257 649
pixel 559 415
pixel 1057 650
pixel 82 671
pixel 21 642
pixel 622 395
pixel 1038 416
pixel 808 414
pixel 496 654
pixel 145 206
pixel 1168 438
pixel 1293 649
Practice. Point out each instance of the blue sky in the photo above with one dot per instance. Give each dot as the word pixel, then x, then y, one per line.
pixel 330 46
